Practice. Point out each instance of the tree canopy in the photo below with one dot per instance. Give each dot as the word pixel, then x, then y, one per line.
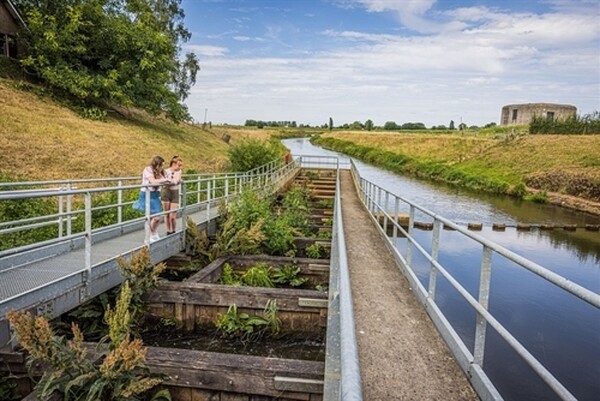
pixel 111 52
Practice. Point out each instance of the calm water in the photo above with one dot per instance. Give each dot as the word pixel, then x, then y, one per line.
pixel 562 332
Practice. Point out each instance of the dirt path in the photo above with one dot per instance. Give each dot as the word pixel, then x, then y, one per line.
pixel 402 356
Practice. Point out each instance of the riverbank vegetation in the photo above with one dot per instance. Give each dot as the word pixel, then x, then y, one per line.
pixel 507 164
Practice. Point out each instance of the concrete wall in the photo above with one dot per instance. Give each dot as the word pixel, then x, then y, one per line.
pixel 521 114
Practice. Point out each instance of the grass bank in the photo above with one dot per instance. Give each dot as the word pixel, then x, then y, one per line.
pixel 507 164
pixel 41 139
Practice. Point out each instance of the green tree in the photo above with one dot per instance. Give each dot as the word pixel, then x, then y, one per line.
pixel 390 126
pixel 111 52
pixel 357 125
pixel 451 127
pixel 330 123
pixel 369 125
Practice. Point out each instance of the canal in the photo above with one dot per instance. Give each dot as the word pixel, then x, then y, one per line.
pixel 561 331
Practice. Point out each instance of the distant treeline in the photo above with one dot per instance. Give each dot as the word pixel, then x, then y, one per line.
pixel 367 125
pixel 589 124
pixel 280 124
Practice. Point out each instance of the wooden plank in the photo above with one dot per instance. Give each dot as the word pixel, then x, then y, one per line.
pixel 216 294
pixel 242 374
pixel 313 302
pixel 298 384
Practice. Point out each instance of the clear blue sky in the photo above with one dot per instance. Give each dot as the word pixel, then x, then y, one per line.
pixel 390 60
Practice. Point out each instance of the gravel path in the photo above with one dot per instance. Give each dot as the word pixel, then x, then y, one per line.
pixel 402 356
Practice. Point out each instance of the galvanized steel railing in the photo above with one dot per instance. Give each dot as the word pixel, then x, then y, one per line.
pixel 73 200
pixel 376 199
pixel 342 367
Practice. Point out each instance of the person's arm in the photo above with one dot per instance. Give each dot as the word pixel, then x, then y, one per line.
pixel 177 177
pixel 148 176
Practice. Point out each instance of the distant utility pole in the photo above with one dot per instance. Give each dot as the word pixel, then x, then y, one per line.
pixel 205 114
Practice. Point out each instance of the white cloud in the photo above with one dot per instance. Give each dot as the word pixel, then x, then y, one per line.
pixel 496 58
pixel 209 51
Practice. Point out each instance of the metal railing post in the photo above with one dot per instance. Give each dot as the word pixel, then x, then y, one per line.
pixel 183 211
pixel 147 231
pixel 484 296
pixel 69 210
pixel 435 248
pixel 208 200
pixel 87 274
pixel 411 221
pixel 396 222
pixel 60 215
pixel 227 188
pixel 199 191
pixel 120 202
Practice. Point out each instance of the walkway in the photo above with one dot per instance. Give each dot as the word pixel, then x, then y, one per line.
pixel 402 356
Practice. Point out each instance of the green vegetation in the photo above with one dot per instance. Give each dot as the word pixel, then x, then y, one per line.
pixel 258 275
pixel 250 225
pixel 110 52
pixel 289 275
pixel 263 275
pixel 7 388
pixel 574 125
pixel 252 153
pixel 249 328
pixel 315 251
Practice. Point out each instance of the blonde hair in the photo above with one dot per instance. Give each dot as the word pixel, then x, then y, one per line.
pixel 175 159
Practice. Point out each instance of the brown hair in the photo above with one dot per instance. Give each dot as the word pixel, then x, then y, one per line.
pixel 156 165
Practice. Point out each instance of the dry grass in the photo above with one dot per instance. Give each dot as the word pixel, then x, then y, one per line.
pixel 43 140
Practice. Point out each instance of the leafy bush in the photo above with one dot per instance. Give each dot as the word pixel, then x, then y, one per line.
pixel 289 274
pixel 314 251
pixel 228 276
pixel 23 209
pixel 251 153
pixel 279 236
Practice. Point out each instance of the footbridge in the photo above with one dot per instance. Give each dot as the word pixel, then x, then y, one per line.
pixel 403 348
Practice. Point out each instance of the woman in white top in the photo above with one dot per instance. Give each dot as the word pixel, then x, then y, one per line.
pixel 170 194
pixel 153 174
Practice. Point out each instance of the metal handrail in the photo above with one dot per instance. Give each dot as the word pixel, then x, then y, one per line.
pixel 472 363
pixel 342 367
pixel 207 190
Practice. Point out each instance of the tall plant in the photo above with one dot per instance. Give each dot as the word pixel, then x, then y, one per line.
pixel 81 374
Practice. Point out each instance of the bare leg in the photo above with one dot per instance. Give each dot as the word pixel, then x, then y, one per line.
pixel 167 206
pixel 173 217
pixel 154 224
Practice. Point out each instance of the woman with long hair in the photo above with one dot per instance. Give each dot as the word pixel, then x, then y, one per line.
pixel 170 194
pixel 152 174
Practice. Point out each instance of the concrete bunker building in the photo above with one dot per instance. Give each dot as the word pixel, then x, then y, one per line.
pixel 521 114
